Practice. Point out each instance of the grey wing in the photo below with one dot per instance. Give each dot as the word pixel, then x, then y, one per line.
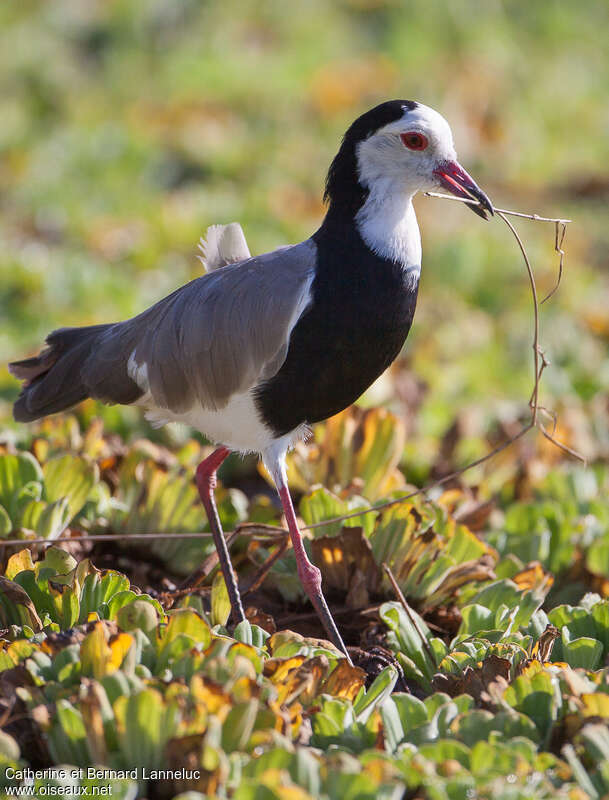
pixel 217 336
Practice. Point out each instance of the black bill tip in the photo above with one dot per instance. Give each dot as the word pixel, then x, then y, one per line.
pixel 453 177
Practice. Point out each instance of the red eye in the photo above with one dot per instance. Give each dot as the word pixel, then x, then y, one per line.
pixel 414 141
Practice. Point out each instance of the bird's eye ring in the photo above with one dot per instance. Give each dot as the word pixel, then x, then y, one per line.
pixel 414 140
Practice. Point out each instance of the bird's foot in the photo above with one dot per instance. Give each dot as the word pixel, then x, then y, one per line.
pixel 310 577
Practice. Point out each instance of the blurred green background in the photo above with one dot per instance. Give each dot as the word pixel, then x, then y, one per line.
pixel 128 127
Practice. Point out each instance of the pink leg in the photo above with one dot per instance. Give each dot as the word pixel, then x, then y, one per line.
pixel 309 574
pixel 206 483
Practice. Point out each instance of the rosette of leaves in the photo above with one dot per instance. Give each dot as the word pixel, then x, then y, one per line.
pixel 162 498
pixel 135 687
pixel 431 555
pixel 145 488
pixel 41 501
pixel 148 691
pixel 501 620
pixel 565 528
pixel 358 449
pixel 584 629
pixel 504 689
pixel 58 593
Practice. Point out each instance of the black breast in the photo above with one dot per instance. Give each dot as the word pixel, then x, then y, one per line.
pixel 362 309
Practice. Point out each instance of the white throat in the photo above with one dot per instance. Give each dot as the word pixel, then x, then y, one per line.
pixel 388 225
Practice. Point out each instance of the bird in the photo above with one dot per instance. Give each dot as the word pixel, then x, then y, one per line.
pixel 257 349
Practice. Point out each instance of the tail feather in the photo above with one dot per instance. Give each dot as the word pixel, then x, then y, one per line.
pixel 31 368
pixel 52 379
pixel 222 245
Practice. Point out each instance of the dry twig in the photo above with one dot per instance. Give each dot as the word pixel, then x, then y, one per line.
pixel 410 614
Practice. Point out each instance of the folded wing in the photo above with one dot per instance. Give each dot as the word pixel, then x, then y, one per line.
pixel 219 335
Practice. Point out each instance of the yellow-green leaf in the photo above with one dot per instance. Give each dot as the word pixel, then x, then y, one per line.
pixel 19 562
pixel 220 601
pixel 69 477
pixel 96 654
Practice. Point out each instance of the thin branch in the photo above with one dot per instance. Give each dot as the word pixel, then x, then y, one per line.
pixel 425 489
pixel 561 445
pixel 410 614
pixel 473 202
pixel 105 537
pixel 265 568
pixel 561 230
pixel 253 529
pixel 535 396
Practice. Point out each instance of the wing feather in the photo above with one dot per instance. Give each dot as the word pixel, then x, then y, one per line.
pixel 216 336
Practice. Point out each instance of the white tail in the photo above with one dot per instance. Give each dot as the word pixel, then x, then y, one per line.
pixel 222 245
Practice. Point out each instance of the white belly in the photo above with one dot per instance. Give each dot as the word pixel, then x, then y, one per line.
pixel 237 426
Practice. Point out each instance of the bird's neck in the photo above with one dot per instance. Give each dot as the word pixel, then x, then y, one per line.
pixel 388 225
pixel 385 224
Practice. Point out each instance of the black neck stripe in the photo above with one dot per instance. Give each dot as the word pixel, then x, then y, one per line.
pixel 343 190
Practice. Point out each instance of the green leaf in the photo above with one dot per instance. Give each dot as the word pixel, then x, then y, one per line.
pixel 536 698
pixel 380 689
pixel 53 519
pixel 334 716
pixel 30 514
pixel 70 608
pixel 597 557
pixel 445 749
pixel 583 652
pixel 6 526
pixel 393 730
pixel 66 664
pixel 138 614
pixel 475 618
pixel 185 621
pixel 146 724
pixel 408 638
pixel 30 492
pixel 321 504
pixel 170 504
pixel 112 583
pixel 68 737
pixel 412 711
pixel 220 601
pixel 69 478
pixel 58 560
pixel 90 593
pixel 505 594
pixel 124 597
pixel 16 606
pixel 238 726
pixel 16 470
pixel 477 725
pixel 243 632
pixel 600 614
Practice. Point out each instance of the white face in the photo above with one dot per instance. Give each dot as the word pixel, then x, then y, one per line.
pixel 407 151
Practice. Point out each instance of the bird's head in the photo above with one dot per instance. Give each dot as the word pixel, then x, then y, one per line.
pixel 399 146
